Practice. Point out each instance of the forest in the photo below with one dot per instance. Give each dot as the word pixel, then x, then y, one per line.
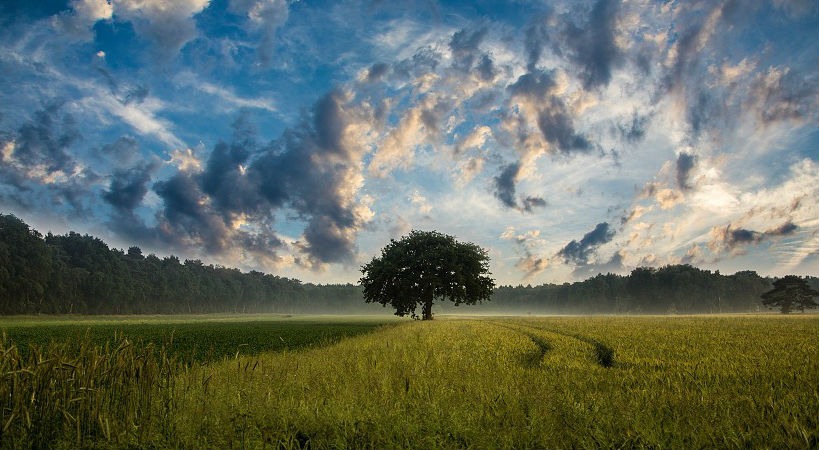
pixel 80 274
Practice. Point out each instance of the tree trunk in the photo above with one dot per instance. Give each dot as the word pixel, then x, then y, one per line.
pixel 427 313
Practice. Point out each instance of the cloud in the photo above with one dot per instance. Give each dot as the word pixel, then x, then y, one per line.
pixel 505 185
pixel 122 153
pixel 376 72
pixel 785 229
pixel 396 150
pixel 557 127
pixel 476 139
pixel 588 42
pixel 613 265
pixel 781 94
pixel 464 47
pixel 635 213
pixel 142 116
pixel 40 149
pixel 536 94
pixel 592 47
pixel 265 17
pixel 579 252
pixel 168 25
pixel 668 198
pixel 529 263
pixel 536 35
pixel 313 170
pixel 685 163
pixel 531 202
pixel 316 169
pixel 128 187
pixel 420 202
pixel 733 239
pixel 635 130
pixel 78 22
pixel 185 160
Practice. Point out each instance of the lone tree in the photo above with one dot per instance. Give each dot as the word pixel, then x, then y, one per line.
pixel 424 266
pixel 790 292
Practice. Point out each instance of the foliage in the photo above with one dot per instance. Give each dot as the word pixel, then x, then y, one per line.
pixel 80 274
pixel 424 266
pixel 790 292
pixel 686 382
pixel 676 289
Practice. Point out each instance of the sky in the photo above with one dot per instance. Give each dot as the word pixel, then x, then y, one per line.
pixel 567 138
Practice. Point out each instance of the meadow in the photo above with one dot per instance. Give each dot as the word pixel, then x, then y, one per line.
pixel 455 382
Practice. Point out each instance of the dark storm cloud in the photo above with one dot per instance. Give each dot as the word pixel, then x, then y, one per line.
pixel 557 127
pixel 486 68
pixel 530 203
pixel 732 238
pixel 613 265
pixel 464 46
pixel 505 185
pixel 685 163
pixel 45 139
pixel 121 153
pixel 41 170
pixel 592 47
pixel 634 130
pixel 742 236
pixel 533 85
pixel 505 190
pixel 785 229
pixel 128 187
pixel 309 169
pixel 425 60
pixel 223 178
pixel 578 252
pixel 181 196
pixel 376 71
pixel 185 220
pixel 589 45
pixel 554 119
pixel 536 38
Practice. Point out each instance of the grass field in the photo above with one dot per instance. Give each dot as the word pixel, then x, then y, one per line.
pixel 503 382
pixel 193 338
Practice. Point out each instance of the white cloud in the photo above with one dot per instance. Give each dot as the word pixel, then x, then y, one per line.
pixel 168 24
pixel 229 99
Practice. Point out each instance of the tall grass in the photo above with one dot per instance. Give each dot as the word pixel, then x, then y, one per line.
pixel 76 393
pixel 706 382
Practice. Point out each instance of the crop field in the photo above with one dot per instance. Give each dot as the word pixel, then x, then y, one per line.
pixel 499 382
pixel 192 338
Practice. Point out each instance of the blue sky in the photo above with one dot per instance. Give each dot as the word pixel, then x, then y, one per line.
pixel 297 138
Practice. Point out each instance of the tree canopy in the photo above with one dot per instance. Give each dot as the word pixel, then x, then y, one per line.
pixel 790 292
pixel 424 266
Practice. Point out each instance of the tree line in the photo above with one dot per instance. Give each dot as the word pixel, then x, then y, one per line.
pixel 673 289
pixel 80 274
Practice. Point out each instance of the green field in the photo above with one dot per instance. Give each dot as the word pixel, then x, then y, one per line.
pixel 200 338
pixel 502 382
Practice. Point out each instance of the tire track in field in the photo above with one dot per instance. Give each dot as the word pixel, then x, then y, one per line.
pixel 602 354
pixel 542 344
